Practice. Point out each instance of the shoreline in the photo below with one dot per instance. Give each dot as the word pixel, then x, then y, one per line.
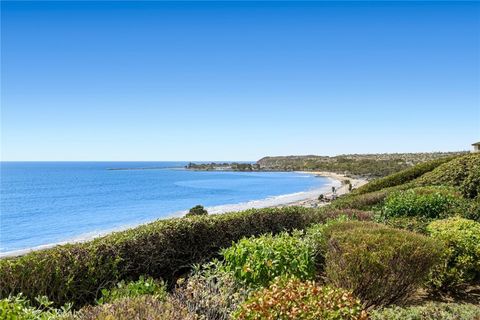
pixel 307 198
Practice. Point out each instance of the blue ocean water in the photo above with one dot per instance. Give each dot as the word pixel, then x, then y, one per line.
pixel 51 202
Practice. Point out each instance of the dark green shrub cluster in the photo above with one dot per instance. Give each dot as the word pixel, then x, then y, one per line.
pixel 137 308
pixel 163 250
pixel 211 293
pixel 257 261
pixel 429 311
pixel 134 289
pixel 293 299
pixel 380 265
pixel 403 176
pixel 461 264
pixel 462 173
pixel 425 202
pixel 198 210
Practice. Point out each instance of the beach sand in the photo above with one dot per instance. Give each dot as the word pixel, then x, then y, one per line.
pixel 313 202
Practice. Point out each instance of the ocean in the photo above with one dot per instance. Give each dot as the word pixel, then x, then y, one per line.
pixel 45 203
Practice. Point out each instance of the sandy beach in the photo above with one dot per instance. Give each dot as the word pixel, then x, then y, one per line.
pixel 312 201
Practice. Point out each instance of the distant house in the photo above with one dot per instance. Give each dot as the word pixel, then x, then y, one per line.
pixel 476 147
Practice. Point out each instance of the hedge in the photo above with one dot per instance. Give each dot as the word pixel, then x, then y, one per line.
pixel 163 249
pixel 403 176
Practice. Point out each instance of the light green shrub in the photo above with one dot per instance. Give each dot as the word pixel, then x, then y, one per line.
pixel 425 202
pixel 134 289
pixel 19 308
pixel 257 261
pixel 461 264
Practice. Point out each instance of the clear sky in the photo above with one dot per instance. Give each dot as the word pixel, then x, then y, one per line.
pixel 237 81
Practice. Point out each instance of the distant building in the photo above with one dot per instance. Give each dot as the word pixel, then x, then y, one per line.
pixel 476 147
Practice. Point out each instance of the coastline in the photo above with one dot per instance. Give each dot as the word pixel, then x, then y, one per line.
pixel 308 198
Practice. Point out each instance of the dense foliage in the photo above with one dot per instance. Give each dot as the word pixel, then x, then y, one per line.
pixel 403 176
pixel 379 265
pixel 461 264
pixel 293 299
pixel 429 311
pixel 462 173
pixel 369 165
pixel 163 249
pixel 134 289
pixel 20 308
pixel 198 210
pixel 424 202
pixel 137 308
pixel 210 292
pixel 257 261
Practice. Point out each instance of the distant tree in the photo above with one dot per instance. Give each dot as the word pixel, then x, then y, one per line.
pixel 321 197
pixel 333 189
pixel 350 187
pixel 198 210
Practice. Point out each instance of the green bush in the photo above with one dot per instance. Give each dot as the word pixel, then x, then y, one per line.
pixel 257 261
pixel 403 176
pixel 360 201
pixel 19 308
pixel 429 311
pixel 380 265
pixel 461 264
pixel 461 173
pixel 293 299
pixel 198 210
pixel 211 293
pixel 134 289
pixel 164 249
pixel 425 202
pixel 137 308
pixel 415 224
pixel 351 214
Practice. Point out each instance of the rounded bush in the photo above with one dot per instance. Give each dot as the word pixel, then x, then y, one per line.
pixel 293 299
pixel 426 202
pixel 257 261
pixel 461 263
pixel 380 265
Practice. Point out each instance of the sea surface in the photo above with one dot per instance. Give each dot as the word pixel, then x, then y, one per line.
pixel 44 203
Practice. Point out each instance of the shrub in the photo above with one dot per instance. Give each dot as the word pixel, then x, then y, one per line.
pixel 134 289
pixel 380 265
pixel 461 263
pixel 137 308
pixel 257 261
pixel 293 299
pixel 17 307
pixel 429 311
pixel 415 224
pixel 210 292
pixel 403 176
pixel 360 201
pixel 351 214
pixel 198 210
pixel 164 249
pixel 426 202
pixel 461 173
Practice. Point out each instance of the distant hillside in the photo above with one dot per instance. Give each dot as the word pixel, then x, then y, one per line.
pixel 368 165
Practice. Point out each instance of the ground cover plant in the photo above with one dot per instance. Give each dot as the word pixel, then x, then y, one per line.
pixel 429 311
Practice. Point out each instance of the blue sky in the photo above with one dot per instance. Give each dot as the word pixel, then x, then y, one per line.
pixel 237 81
